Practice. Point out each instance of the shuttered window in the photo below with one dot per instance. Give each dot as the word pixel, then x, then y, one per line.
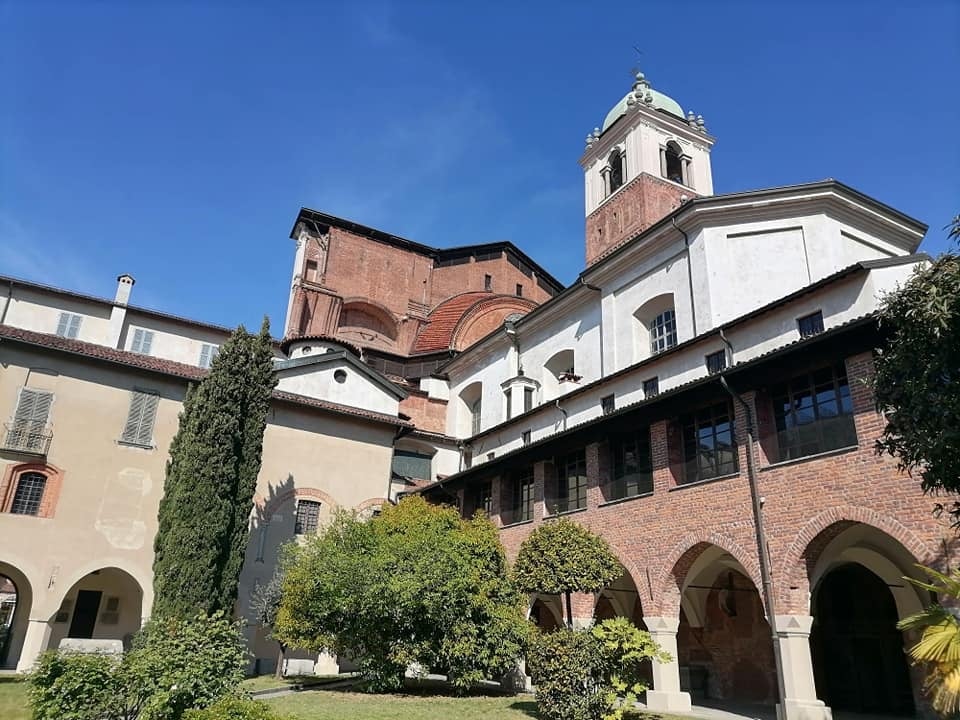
pixel 69 325
pixel 207 354
pixel 138 430
pixel 28 431
pixel 142 341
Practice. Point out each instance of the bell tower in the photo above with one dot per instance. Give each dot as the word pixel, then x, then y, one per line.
pixel 641 165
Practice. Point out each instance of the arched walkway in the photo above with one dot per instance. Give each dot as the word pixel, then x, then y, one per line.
pixel 16 601
pixel 546 612
pixel 105 604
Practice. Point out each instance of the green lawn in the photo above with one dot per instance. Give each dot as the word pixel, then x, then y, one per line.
pixel 269 682
pixel 13 699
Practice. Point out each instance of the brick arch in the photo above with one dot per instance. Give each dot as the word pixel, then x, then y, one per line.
pixel 673 570
pixel 794 568
pixel 635 573
pixel 266 508
pixel 371 502
pixel 51 490
pixel 486 316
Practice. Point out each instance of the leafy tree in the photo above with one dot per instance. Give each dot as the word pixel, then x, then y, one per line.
pixel 415 585
pixel 234 708
pixel 561 557
pixel 939 646
pixel 590 674
pixel 211 478
pixel 175 665
pixel 917 383
pixel 265 604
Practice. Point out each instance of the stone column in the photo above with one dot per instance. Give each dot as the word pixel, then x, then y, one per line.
pixel 666 695
pixel 35 641
pixel 800 701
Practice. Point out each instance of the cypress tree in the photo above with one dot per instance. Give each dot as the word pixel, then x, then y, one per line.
pixel 211 478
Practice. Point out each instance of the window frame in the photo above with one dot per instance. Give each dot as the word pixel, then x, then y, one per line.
pixel 476 416
pixel 35 500
pixel 311 518
pixel 620 486
pixel 716 362
pixel 208 353
pixel 663 331
pixel 68 325
pixel 704 422
pixel 138 432
pixel 522 494
pixel 646 385
pixel 570 487
pixel 142 341
pixel 814 322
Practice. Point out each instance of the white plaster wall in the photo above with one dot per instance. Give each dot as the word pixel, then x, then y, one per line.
pixel 40 312
pixel 490 369
pixel 317 381
pixel 579 331
pixel 175 341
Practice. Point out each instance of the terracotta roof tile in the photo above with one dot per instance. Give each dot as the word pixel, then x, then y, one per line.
pixel 175 369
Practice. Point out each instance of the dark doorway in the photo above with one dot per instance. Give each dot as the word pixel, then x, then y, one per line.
pixel 8 615
pixel 85 614
pixel 858 657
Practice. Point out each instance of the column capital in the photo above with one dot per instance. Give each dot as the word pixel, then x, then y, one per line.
pixel 662 624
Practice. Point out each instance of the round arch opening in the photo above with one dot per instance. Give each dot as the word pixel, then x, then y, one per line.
pixel 16 598
pixel 105 604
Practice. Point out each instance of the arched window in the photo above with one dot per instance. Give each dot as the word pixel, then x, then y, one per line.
pixel 471 399
pixel 674 164
pixel 28 494
pixel 616 171
pixel 663 331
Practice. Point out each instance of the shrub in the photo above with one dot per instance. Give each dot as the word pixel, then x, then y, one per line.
pixel 233 708
pixel 75 686
pixel 590 674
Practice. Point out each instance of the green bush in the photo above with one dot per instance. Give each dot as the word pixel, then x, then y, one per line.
pixel 175 665
pixel 234 708
pixel 590 674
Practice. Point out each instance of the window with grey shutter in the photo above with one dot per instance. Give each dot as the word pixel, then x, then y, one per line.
pixel 142 341
pixel 207 354
pixel 69 325
pixel 138 430
pixel 28 431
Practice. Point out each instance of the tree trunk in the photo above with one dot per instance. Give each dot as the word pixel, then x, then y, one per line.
pixel 569 611
pixel 278 674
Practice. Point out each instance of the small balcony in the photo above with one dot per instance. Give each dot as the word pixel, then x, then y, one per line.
pixel 27 437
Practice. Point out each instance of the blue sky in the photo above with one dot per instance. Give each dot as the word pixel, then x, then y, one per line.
pixel 176 141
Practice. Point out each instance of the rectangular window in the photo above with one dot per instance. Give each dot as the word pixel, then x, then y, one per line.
pixel 518 505
pixel 527 399
pixel 69 325
pixel 571 484
pixel 716 362
pixel 138 430
pixel 311 270
pixel 480 498
pixel 810 324
pixel 663 332
pixel 631 466
pixel 29 494
pixel 509 398
pixel 308 517
pixel 475 417
pixel 519 290
pixel 207 354
pixel 142 341
pixel 28 432
pixel 608 404
pixel 651 388
pixel 814 413
pixel 412 464
pixel 709 448
pixel 525 437
pixel 488 282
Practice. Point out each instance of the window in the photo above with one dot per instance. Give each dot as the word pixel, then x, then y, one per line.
pixel 814 413
pixel 631 466
pixel 519 290
pixel 810 324
pixel 525 437
pixel 475 410
pixel 29 494
pixel 518 505
pixel 488 282
pixel 527 399
pixel 308 516
pixel 480 498
pixel 491 456
pixel 412 464
pixel 571 484
pixel 615 171
pixel 311 270
pixel 709 449
pixel 509 398
pixel 651 388
pixel 138 430
pixel 207 354
pixel 28 432
pixel 663 332
pixel 673 165
pixel 607 404
pixel 716 361
pixel 142 341
pixel 69 325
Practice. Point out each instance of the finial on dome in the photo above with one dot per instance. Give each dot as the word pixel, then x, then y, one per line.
pixel 701 126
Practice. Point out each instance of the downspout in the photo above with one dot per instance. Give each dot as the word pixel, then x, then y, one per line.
pixel 766 579
pixel 693 307
pixel 564 414
pixel 599 290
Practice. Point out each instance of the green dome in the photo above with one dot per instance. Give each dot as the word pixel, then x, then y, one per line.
pixel 660 102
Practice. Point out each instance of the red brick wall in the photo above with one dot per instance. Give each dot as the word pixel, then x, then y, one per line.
pixel 427 413
pixel 635 207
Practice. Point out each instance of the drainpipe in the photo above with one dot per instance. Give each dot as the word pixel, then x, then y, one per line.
pixel 766 579
pixel 686 242
pixel 564 414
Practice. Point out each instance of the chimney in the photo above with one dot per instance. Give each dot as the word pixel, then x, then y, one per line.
pixel 118 314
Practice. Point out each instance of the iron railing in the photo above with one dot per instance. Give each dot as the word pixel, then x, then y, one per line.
pixel 27 437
